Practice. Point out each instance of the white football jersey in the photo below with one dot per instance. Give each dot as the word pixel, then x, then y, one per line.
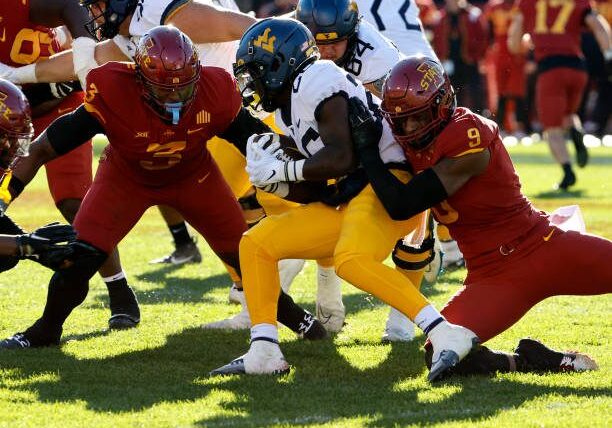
pixel 151 13
pixel 373 55
pixel 399 21
pixel 315 84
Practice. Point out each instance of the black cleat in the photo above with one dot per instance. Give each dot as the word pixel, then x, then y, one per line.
pixel 125 312
pixel 569 179
pixel 123 321
pixel 582 154
pixel 186 253
pixel 21 341
pixel 534 356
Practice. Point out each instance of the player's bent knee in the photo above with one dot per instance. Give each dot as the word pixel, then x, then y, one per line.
pixel 411 258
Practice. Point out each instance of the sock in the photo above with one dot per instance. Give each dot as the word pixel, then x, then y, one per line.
pixel 180 234
pixel 427 318
pixel 264 331
pixel 567 168
pixel 121 296
pixel 298 319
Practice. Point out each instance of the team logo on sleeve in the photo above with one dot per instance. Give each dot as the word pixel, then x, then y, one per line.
pixel 265 41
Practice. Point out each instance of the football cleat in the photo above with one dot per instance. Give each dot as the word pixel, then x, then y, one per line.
pixel 287 271
pixel 582 154
pixel 185 253
pixel 452 256
pixel 451 343
pixel 263 358
pixel 533 355
pixel 330 309
pixel 399 328
pixel 21 341
pixel 236 295
pixel 123 321
pixel 240 321
pixel 125 312
pixel 569 179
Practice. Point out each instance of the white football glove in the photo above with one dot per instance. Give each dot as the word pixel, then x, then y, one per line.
pixel 267 163
pixel 18 75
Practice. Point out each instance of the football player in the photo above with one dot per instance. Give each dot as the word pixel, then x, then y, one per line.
pixel 48 245
pixel 27 39
pixel 515 257
pixel 156 113
pixel 555 29
pixel 277 69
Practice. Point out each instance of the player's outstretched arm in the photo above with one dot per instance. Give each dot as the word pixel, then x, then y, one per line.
pixel 222 25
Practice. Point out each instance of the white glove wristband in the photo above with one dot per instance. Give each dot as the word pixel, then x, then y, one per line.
pixel 83 57
pixel 23 75
pixel 294 170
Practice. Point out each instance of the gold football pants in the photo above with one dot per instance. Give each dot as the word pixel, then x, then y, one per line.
pixel 359 236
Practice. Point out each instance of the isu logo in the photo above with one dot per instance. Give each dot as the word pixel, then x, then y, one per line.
pixel 430 74
pixel 265 42
pixel 5 111
pixel 202 117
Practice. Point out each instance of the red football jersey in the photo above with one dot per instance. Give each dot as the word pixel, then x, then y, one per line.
pixel 21 41
pixel 499 13
pixel 489 211
pixel 146 148
pixel 554 25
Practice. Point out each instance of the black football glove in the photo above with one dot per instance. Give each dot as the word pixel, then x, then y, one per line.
pixel 345 190
pixel 49 245
pixel 365 128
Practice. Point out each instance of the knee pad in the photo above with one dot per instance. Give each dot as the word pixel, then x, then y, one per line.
pixel 413 258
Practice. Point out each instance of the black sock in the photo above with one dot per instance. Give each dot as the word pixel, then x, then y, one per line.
pixel 122 298
pixel 180 234
pixel 298 319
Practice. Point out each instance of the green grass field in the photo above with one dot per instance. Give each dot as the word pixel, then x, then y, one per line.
pixel 156 375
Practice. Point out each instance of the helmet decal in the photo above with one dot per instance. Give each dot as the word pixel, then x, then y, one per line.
pixel 265 41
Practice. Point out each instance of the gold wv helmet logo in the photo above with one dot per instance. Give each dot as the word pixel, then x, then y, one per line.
pixel 265 42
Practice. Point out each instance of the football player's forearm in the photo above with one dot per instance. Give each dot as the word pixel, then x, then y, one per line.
pixel 401 200
pixel 8 245
pixel 601 31
pixel 328 163
pixel 25 168
pixel 58 68
pixel 515 34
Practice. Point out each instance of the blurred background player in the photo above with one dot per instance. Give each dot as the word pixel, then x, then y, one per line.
pixel 555 27
pixel 28 38
pixel 509 79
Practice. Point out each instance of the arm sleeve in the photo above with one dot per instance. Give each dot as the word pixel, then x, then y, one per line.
pixel 242 127
pixel 72 130
pixel 39 93
pixel 400 200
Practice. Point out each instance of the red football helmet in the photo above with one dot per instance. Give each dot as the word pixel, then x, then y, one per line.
pixel 16 130
pixel 418 101
pixel 168 65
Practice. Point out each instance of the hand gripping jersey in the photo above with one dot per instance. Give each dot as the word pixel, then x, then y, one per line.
pixel 23 42
pixel 489 214
pixel 145 148
pixel 554 25
pixel 151 13
pixel 399 21
pixel 316 83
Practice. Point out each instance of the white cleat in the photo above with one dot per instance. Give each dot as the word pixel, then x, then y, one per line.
pixel 451 343
pixel 452 255
pixel 236 295
pixel 288 270
pixel 330 309
pixel 399 328
pixel 240 321
pixel 263 358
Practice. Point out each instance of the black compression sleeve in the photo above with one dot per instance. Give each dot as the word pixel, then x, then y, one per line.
pixel 71 130
pixel 243 126
pixel 39 93
pixel 400 200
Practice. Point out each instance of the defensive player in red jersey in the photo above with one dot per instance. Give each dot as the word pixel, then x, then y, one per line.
pixel 515 257
pixel 48 245
pixel 555 27
pixel 27 39
pixel 156 114
pixel 509 75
